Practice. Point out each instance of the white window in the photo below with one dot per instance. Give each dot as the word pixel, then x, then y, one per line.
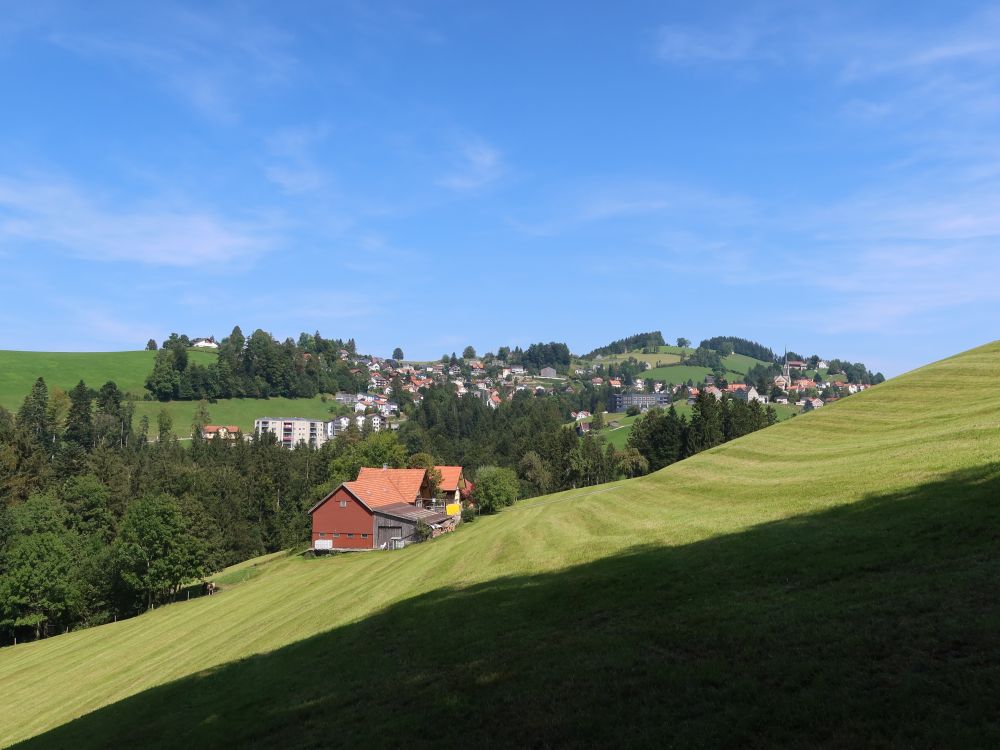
pixel 343 503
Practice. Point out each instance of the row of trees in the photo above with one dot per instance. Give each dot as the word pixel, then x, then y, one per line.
pixel 663 437
pixel 254 367
pixel 651 340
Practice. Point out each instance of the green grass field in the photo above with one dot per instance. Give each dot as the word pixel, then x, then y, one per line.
pixel 827 582
pixel 19 371
pixel 238 411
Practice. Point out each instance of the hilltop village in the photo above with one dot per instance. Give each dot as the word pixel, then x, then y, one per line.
pixel 607 381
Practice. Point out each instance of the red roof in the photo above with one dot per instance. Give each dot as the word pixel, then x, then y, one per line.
pixel 211 428
pixel 450 476
pixel 379 487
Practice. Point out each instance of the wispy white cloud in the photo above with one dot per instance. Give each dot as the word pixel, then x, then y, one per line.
pixel 477 164
pixel 293 165
pixel 679 44
pixel 61 214
pixel 209 60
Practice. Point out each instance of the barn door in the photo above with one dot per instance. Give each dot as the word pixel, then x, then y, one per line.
pixel 385 533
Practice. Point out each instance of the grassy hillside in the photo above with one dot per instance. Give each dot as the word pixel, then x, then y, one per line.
pixel 238 411
pixel 19 370
pixel 830 581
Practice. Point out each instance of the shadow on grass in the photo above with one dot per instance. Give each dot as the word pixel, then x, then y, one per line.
pixel 875 623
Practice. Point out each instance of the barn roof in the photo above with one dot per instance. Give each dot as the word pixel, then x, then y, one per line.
pixel 379 487
pixel 411 513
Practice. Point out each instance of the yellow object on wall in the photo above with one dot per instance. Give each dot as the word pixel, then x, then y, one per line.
pixel 453 509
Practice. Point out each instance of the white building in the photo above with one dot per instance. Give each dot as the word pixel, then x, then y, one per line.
pixel 291 431
pixel 204 344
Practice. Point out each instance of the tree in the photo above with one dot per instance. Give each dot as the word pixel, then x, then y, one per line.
pixel 33 414
pixel 397 354
pixel 154 552
pixel 164 425
pixel 201 417
pixel 469 352
pixel 426 461
pixel 597 421
pixel 533 470
pixel 632 463
pixel 495 488
pixel 38 587
pixel 164 380
pixel 151 345
pixel 57 410
pixel 423 531
pixel 80 419
pixel 683 343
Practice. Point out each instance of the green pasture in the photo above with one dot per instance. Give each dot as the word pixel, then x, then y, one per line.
pixel 827 582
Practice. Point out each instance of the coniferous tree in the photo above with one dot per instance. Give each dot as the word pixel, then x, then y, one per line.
pixel 80 419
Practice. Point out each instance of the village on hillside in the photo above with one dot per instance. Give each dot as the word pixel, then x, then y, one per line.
pixel 625 383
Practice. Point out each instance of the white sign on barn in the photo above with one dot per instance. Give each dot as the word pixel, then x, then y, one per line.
pixel 323 544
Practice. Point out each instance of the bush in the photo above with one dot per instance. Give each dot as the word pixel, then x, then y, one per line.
pixel 468 514
pixel 495 488
pixel 423 531
pixel 632 411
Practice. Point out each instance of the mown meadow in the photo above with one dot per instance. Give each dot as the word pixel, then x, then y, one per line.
pixel 829 581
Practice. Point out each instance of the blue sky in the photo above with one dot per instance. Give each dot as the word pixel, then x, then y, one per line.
pixel 438 174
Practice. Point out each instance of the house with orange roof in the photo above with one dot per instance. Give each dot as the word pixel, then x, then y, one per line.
pixel 381 509
pixel 222 431
pixel 452 483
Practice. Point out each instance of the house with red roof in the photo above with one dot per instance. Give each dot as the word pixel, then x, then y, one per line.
pixel 379 510
pixel 452 483
pixel 223 431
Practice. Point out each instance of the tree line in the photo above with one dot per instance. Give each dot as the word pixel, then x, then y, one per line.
pixel 257 366
pixel 650 340
pixel 662 437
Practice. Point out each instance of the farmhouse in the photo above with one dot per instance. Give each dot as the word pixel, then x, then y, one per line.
pixel 378 510
pixel 548 372
pixel 208 343
pixel 223 431
pixel 452 483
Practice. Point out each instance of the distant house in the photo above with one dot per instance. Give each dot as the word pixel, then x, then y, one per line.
pixel 208 343
pixel 822 364
pixel 378 510
pixel 597 381
pixel 615 382
pixel 796 364
pixel 812 404
pixel 748 395
pixel 548 372
pixel 516 370
pixel 713 391
pixel 781 381
pixel 222 431
pixel 582 428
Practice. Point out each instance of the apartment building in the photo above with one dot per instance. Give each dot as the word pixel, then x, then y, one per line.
pixel 291 431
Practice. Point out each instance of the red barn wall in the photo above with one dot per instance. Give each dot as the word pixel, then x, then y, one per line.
pixel 350 522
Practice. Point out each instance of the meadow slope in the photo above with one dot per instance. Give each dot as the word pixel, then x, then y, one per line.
pixel 19 370
pixel 827 582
